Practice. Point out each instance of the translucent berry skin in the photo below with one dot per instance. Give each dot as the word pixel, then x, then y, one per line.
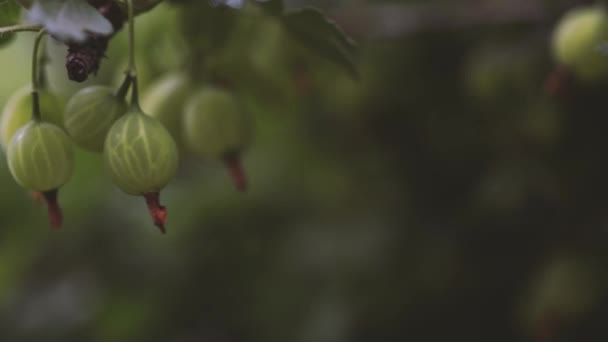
pixel 215 125
pixel 18 112
pixel 90 114
pixel 40 156
pixel 164 100
pixel 577 42
pixel 140 154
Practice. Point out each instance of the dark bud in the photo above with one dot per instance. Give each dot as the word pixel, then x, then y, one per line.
pixel 84 58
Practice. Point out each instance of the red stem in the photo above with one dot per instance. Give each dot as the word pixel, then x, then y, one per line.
pixel 157 211
pixel 55 214
pixel 233 163
pixel 557 84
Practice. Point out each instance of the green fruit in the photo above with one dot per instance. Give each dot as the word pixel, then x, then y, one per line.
pixel 577 41
pixel 215 125
pixel 40 156
pixel 140 154
pixel 90 114
pixel 18 112
pixel 164 100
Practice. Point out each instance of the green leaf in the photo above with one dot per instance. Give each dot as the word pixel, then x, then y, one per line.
pixel 314 30
pixel 9 12
pixel 274 7
pixel 69 20
pixel 205 27
pixel 25 3
pixel 9 15
pixel 140 6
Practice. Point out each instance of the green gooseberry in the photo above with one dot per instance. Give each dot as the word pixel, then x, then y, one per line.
pixel 40 156
pixel 577 42
pixel 141 158
pixel 140 154
pixel 164 100
pixel 216 125
pixel 90 113
pixel 18 111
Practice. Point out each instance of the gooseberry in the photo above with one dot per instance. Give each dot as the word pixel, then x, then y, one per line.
pixel 216 127
pixel 141 157
pixel 41 158
pixel 577 42
pixel 18 111
pixel 90 114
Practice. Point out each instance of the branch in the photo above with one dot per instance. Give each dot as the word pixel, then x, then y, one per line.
pixel 19 28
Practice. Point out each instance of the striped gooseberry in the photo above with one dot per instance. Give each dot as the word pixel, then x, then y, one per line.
pixel 90 113
pixel 41 158
pixel 216 127
pixel 18 111
pixel 141 157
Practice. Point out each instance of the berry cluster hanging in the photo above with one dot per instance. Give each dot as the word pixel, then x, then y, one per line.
pixel 139 150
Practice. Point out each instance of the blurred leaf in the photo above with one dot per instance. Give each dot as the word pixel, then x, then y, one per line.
pixel 142 6
pixel 9 15
pixel 274 7
pixel 25 3
pixel 69 20
pixel 9 12
pixel 205 27
pixel 319 33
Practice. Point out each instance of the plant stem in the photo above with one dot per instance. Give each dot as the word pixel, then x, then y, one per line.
pixel 121 93
pixel 35 77
pixel 132 72
pixel 19 28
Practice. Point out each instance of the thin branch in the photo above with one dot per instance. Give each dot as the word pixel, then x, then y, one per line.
pixel 19 28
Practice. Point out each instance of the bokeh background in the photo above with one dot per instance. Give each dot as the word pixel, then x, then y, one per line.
pixel 442 196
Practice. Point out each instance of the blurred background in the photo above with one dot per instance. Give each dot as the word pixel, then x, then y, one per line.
pixel 444 195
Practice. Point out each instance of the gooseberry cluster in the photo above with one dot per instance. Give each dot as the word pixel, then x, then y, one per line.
pixel 140 150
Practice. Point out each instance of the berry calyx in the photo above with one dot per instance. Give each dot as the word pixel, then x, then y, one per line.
pixel 235 167
pixel 216 127
pixel 54 211
pixel 90 114
pixel 578 39
pixel 141 157
pixel 41 159
pixel 157 211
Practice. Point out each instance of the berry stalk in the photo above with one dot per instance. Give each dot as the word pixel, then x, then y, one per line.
pixel 237 172
pixel 35 77
pixel 55 213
